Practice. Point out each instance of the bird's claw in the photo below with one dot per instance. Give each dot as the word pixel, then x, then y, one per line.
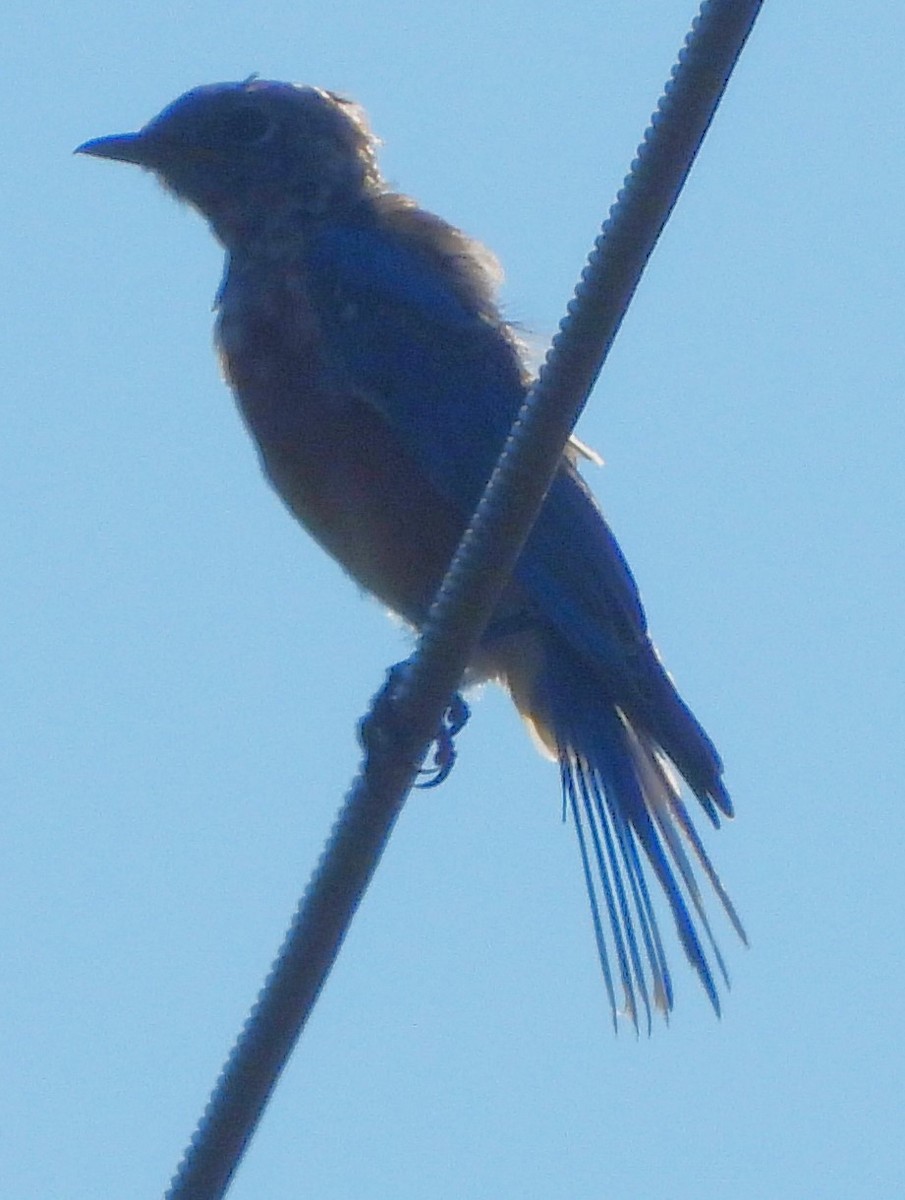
pixel 375 731
pixel 444 759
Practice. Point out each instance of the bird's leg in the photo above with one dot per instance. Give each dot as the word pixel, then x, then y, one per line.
pixel 379 731
pixel 454 721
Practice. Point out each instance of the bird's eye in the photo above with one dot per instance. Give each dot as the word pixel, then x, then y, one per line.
pixel 244 125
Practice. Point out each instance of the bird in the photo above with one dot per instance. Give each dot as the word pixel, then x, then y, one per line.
pixel 364 342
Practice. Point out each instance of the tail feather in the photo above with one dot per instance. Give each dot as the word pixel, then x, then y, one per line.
pixel 683 823
pixel 579 788
pixel 672 726
pixel 622 793
pixel 670 816
pixel 569 791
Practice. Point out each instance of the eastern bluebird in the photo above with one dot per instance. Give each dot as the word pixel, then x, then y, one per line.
pixel 363 341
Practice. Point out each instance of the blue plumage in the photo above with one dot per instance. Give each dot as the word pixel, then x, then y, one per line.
pixel 362 338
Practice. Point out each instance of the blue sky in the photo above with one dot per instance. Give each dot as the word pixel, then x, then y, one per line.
pixel 182 670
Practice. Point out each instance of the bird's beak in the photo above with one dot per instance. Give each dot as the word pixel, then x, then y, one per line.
pixel 124 147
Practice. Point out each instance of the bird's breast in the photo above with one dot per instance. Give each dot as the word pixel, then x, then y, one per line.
pixel 327 451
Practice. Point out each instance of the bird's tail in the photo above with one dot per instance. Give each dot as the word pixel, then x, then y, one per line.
pixel 623 792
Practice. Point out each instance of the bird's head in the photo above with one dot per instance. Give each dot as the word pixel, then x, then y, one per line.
pixel 241 152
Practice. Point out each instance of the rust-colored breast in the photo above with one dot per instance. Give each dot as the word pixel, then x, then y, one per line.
pixel 328 453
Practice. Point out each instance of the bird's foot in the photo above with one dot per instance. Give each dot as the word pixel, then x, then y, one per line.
pixel 454 721
pixel 379 732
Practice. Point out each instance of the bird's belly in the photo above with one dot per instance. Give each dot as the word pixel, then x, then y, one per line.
pixel 356 491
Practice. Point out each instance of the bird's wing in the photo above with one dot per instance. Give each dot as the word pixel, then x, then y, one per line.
pixel 443 377
pixel 448 380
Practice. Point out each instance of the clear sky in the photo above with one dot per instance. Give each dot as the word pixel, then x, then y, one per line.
pixel 182 670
